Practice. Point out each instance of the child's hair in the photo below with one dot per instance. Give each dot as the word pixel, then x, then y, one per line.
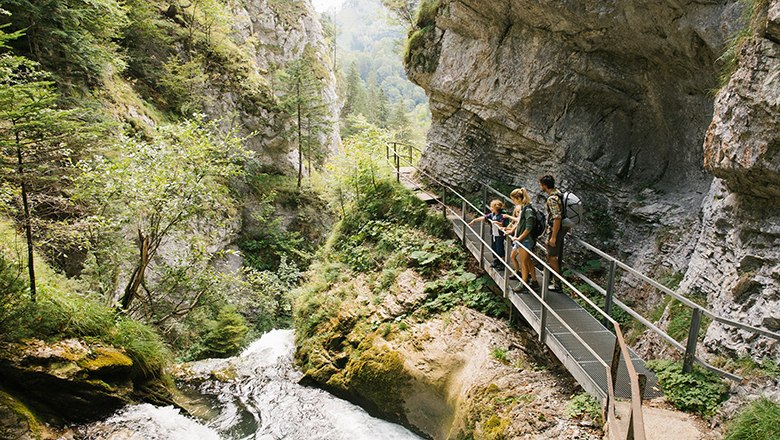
pixel 521 195
pixel 497 203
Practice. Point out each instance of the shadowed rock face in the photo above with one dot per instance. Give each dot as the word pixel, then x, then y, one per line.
pixel 614 99
pixel 586 90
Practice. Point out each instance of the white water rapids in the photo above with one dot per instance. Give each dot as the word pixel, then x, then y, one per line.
pixel 263 402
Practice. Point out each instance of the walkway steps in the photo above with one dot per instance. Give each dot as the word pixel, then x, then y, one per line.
pixel 409 183
pixel 583 366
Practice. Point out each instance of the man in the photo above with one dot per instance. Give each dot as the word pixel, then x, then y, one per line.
pixel 555 229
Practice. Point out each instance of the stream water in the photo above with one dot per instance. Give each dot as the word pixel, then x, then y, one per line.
pixel 261 401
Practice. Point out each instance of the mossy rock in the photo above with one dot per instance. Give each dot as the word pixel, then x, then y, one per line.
pixel 105 360
pixel 495 427
pixel 17 421
pixel 378 375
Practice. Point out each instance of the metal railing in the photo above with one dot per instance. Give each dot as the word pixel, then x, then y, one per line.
pixel 635 429
pixel 697 310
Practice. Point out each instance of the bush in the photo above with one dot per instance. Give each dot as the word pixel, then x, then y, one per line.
pixel 584 404
pixel 757 421
pixel 699 391
pixel 227 335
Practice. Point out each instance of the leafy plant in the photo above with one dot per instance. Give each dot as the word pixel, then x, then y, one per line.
pixel 757 421
pixel 584 404
pixel 500 354
pixel 699 391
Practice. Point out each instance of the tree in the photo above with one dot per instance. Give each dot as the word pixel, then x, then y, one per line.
pixel 402 11
pixel 172 187
pixel 357 97
pixel 38 140
pixel 76 38
pixel 302 99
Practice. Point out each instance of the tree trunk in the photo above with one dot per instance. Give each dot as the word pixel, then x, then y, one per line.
pixel 300 146
pixel 27 218
pixel 138 274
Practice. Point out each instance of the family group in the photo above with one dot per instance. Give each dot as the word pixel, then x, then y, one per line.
pixel 527 224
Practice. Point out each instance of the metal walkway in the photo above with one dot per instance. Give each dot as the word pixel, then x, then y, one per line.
pixel 591 347
pixel 581 363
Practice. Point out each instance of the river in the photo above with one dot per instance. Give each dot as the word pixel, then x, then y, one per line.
pixel 261 401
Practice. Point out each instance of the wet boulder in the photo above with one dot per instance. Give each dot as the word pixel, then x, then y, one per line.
pixel 71 380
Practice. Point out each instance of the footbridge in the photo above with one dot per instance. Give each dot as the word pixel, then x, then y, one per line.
pixel 590 344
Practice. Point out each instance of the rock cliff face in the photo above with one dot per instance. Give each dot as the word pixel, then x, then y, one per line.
pixel 736 259
pixel 614 92
pixel 614 99
pixel 275 33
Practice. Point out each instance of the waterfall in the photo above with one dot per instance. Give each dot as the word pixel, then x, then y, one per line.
pixel 261 401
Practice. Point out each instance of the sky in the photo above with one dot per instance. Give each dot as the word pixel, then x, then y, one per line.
pixel 326 5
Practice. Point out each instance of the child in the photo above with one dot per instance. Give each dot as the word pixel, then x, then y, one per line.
pixel 498 220
pixel 523 219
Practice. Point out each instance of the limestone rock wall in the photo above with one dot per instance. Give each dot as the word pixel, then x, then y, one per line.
pixel 589 90
pixel 615 100
pixel 275 33
pixel 736 260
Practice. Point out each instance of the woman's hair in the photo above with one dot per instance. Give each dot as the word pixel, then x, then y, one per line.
pixel 497 203
pixel 521 195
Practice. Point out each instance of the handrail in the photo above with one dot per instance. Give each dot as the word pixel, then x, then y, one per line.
pixel 709 313
pixel 690 353
pixel 636 419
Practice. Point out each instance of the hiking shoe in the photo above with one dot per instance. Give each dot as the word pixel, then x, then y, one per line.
pixel 534 285
pixel 553 288
pixel 512 278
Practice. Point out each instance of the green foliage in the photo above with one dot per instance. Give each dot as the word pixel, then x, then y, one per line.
pixel 375 84
pixel 699 391
pixel 173 187
pixel 76 38
pixel 757 421
pixel 752 16
pixel 426 13
pixel 61 312
pixel 458 287
pixel 500 354
pixel 227 334
pixel 301 98
pixel 584 404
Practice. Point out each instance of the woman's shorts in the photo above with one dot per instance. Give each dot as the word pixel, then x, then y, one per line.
pixel 528 242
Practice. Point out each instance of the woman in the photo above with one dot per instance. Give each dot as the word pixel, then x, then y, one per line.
pixel 523 219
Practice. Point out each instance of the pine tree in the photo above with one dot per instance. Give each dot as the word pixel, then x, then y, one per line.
pixel 302 99
pixel 37 139
pixel 357 97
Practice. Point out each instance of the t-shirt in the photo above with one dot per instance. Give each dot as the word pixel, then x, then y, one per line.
pixel 527 220
pixel 554 206
pixel 501 218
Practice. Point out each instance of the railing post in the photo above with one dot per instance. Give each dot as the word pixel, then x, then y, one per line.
pixel 481 241
pixel 693 337
pixel 545 287
pixel 397 167
pixel 463 217
pixel 410 154
pixel 444 201
pixel 615 363
pixel 507 274
pixel 610 291
pixel 642 379
pixel 387 151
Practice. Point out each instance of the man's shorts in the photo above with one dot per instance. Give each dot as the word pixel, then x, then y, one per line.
pixel 556 251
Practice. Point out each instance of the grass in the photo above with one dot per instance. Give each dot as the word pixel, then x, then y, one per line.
pixel 757 421
pixel 752 15
pixel 500 354
pixel 62 311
